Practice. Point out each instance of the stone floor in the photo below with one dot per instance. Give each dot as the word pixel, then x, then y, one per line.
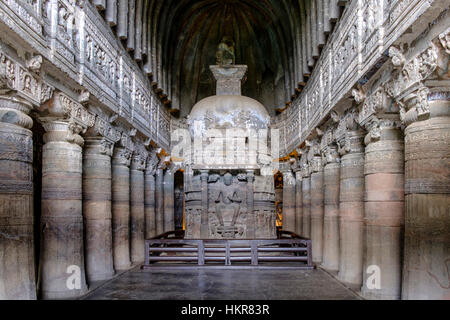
pixel 222 285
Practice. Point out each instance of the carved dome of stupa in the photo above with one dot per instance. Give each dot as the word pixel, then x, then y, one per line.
pixel 229 109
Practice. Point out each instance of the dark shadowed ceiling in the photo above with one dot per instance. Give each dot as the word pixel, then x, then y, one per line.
pixel 175 42
pixel 263 34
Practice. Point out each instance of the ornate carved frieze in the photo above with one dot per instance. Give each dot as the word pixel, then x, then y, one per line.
pixel 328 146
pixel 152 162
pixel 348 133
pixel 71 36
pixel 304 165
pixel 63 108
pixel 407 85
pixel 140 155
pixel 315 157
pixel 16 79
pixel 122 156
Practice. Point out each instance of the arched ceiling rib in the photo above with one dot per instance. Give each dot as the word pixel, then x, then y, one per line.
pixel 176 41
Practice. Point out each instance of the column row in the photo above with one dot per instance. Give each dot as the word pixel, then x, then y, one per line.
pixel 98 202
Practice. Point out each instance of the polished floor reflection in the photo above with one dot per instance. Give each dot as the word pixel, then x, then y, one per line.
pixel 223 285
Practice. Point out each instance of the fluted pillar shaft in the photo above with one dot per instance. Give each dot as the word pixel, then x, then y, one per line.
pixel 137 215
pixel 62 251
pixel 351 210
pixel 384 211
pixel 97 210
pixel 427 188
pixel 288 201
pixel 17 272
pixel 317 212
pixel 159 201
pixel 150 217
pixel 298 203
pixel 169 203
pixel 121 207
pixel 330 259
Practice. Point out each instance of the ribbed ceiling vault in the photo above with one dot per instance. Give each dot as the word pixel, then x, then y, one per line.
pixel 176 40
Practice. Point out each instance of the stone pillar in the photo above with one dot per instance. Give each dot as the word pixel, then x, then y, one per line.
pixel 427 188
pixel 330 259
pixel 317 212
pixel 169 195
pixel 62 252
pixel 298 203
pixel 288 200
pixel 351 209
pixel 137 215
pixel 159 199
pixel 97 208
pixel 251 221
pixel 204 226
pixel 384 208
pixel 150 189
pixel 121 207
pixel 306 192
pixel 17 271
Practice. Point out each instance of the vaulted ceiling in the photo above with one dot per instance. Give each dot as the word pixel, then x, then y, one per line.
pixel 263 41
pixel 176 40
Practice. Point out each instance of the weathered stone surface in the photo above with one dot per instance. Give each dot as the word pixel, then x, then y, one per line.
pixel 331 217
pixel 351 212
pixel 159 201
pixel 289 197
pixel 427 232
pixel 121 207
pixel 306 192
pixel 384 213
pixel 17 271
pixel 317 215
pixel 61 222
pixel 137 209
pixel 169 204
pixel 97 210
pixel 298 204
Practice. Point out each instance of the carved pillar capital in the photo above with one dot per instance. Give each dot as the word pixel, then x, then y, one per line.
pixel 64 119
pixel 417 80
pixel 15 111
pixel 99 145
pixel 122 156
pixel 349 135
pixel 103 128
pixel 328 146
pixel 139 158
pixel 152 163
pixel 315 157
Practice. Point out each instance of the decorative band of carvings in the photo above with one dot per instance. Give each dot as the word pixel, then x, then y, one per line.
pixel 422 186
pixel 16 148
pixel 97 196
pixel 16 187
pixel 58 194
